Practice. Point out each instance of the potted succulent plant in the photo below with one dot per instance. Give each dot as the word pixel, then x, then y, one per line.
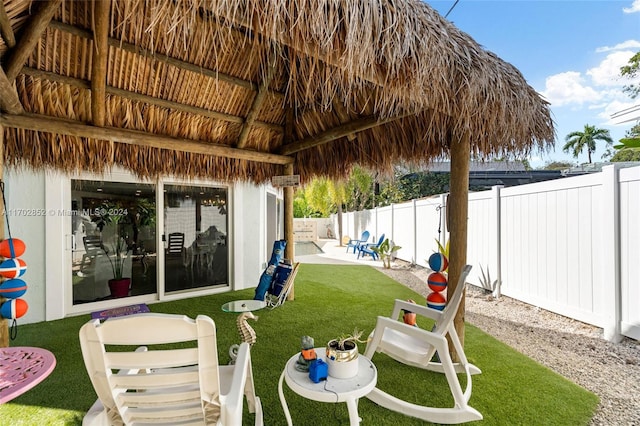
pixel 342 355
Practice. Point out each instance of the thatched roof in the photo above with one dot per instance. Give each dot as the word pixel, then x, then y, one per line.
pixel 236 89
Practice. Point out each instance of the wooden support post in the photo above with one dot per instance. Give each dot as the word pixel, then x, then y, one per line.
pixel 99 62
pixel 4 323
pixel 289 251
pixel 457 212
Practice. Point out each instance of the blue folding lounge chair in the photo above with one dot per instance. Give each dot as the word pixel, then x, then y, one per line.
pixel 367 249
pixel 268 275
pixel 356 243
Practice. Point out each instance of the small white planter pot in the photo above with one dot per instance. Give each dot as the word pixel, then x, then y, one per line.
pixel 342 364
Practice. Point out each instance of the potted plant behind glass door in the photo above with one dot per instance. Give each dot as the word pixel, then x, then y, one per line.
pixel 117 251
pixel 119 285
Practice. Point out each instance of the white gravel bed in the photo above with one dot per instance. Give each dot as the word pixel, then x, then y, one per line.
pixel 573 349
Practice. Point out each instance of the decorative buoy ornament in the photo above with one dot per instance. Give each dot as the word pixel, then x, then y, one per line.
pixel 12 248
pixel 12 289
pixel 12 309
pixel 436 300
pixel 13 268
pixel 437 281
pixel 438 262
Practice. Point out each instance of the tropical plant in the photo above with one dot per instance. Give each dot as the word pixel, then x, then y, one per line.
pixel 118 249
pixel 360 188
pixel 385 250
pixel 631 142
pixel 301 208
pixel 577 141
pixel 141 213
pixel 630 71
pixel 117 255
pixel 443 249
pixel 629 154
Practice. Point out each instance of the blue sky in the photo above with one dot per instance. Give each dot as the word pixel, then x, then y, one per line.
pixel 570 51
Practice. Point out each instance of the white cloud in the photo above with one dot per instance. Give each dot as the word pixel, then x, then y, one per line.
pixel 635 7
pixel 607 73
pixel 596 88
pixel 569 88
pixel 628 44
pixel 615 107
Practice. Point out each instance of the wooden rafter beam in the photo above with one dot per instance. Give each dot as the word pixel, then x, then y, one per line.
pixel 343 116
pixel 9 100
pixel 30 36
pixel 133 96
pixel 128 47
pixel 42 123
pixel 99 61
pixel 258 100
pixel 6 31
pixel 338 132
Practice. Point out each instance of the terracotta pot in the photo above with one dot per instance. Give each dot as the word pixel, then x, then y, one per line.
pixel 120 288
pixel 409 318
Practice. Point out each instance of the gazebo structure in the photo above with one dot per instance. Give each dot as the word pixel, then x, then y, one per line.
pixel 241 91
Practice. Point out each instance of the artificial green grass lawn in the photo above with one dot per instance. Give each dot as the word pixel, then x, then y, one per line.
pixel 329 300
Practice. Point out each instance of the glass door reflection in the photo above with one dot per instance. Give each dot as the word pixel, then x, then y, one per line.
pixel 113 225
pixel 195 237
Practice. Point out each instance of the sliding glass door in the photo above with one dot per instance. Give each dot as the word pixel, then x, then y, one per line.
pixel 195 237
pixel 113 240
pixel 115 243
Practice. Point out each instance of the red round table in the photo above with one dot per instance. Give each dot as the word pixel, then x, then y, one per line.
pixel 21 368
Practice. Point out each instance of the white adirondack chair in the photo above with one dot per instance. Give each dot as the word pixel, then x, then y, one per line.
pixel 166 384
pixel 417 347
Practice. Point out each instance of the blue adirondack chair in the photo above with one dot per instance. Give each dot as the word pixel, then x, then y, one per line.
pixel 356 243
pixel 367 249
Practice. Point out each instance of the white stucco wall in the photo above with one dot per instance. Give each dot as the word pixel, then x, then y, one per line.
pixel 25 197
pixel 36 200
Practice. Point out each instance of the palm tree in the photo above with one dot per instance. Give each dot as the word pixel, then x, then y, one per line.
pixel 577 140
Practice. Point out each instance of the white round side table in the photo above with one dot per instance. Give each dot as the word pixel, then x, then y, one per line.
pixel 330 390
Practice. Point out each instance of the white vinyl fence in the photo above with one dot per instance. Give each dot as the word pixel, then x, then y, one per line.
pixel 571 246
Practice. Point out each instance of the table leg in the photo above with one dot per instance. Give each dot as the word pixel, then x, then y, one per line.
pixel 283 401
pixel 352 406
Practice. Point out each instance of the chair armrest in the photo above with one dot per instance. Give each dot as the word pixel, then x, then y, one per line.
pixel 424 311
pixel 234 399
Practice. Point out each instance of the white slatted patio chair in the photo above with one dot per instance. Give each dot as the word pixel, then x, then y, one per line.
pixel 176 381
pixel 417 347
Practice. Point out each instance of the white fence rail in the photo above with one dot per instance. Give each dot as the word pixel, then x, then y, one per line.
pixel 571 246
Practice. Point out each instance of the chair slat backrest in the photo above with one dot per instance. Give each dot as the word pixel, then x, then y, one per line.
pixel 180 381
pixel 92 245
pixel 175 243
pixel 453 302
